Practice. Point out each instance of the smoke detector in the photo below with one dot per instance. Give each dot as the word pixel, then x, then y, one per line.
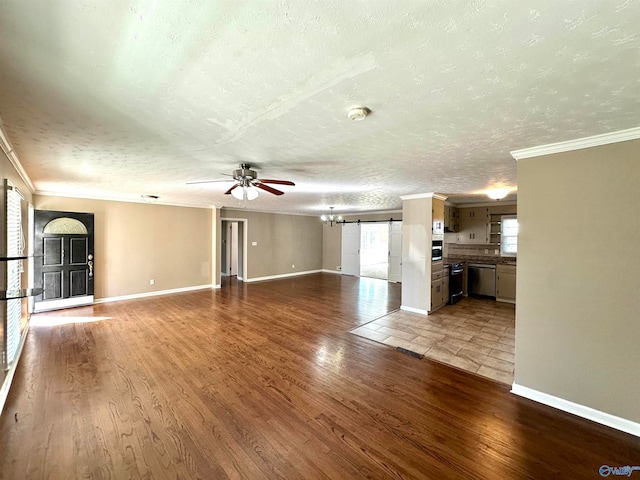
pixel 358 112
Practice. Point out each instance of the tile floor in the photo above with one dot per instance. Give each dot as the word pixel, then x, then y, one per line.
pixel 476 334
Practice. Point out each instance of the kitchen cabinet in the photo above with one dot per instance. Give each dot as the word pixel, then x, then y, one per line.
pixel 473 232
pixel 475 213
pixel 451 219
pixel 439 286
pixel 437 212
pixel 506 283
pixel 445 285
pixel 474 225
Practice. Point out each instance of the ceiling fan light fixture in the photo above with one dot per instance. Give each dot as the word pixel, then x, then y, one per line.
pixel 238 193
pixel 358 113
pixel 252 193
pixel 243 192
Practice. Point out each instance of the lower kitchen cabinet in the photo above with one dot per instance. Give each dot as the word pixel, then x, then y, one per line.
pixel 506 283
pixel 439 286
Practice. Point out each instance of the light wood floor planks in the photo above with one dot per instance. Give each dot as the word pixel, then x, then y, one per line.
pixel 476 335
pixel 265 381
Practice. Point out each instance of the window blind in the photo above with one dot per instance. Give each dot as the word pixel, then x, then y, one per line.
pixel 15 247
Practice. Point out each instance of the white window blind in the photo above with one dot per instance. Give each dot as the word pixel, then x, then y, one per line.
pixel 15 247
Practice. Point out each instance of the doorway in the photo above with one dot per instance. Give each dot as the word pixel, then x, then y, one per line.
pixel 64 259
pixel 233 251
pixel 374 250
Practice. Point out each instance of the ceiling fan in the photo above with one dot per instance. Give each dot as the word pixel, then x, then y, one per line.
pixel 245 177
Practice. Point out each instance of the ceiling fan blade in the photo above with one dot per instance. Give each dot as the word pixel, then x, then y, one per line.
pixel 229 191
pixel 278 182
pixel 209 181
pixel 267 188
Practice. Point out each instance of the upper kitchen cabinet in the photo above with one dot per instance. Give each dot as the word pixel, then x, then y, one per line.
pixel 475 213
pixel 451 219
pixel 473 232
pixel 474 223
pixel 437 211
pixel 481 225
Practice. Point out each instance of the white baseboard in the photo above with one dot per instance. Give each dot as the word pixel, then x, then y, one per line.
pixel 6 385
pixel 414 310
pixel 576 409
pixel 324 270
pixel 154 294
pixel 284 275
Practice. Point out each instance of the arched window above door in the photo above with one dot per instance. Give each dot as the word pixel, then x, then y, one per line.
pixel 65 225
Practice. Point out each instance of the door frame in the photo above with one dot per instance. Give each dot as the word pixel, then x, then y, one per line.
pixel 243 235
pixel 75 301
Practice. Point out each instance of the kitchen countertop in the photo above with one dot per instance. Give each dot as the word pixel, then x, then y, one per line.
pixel 483 260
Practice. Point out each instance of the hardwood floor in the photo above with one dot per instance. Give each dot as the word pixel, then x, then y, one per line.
pixel 265 381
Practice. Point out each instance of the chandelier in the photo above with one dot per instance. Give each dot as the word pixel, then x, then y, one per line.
pixel 331 219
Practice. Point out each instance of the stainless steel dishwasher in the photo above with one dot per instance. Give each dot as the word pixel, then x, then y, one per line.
pixel 482 279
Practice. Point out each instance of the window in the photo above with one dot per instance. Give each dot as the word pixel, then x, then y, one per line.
pixel 65 225
pixel 15 248
pixel 509 236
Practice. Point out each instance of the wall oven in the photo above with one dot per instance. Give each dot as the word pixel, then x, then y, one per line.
pixel 436 250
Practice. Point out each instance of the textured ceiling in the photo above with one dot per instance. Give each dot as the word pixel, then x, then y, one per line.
pixel 118 99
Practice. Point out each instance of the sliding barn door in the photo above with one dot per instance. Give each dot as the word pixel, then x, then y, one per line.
pixel 395 252
pixel 351 249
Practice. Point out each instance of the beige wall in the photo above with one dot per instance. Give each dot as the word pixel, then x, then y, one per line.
pixel 332 237
pixel 136 242
pixel 282 241
pixel 577 320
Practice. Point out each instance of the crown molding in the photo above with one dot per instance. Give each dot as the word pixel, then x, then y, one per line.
pixel 417 196
pixel 117 199
pixel 570 145
pixel 10 153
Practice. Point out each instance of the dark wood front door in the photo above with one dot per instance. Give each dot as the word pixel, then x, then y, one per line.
pixel 64 259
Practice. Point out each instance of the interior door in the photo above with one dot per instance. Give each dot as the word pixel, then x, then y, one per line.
pixel 395 252
pixel 351 249
pixel 233 246
pixel 64 259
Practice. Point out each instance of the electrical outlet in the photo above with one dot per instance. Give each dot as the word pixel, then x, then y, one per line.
pixel 152 282
pixel 496 251
pixel 293 265
pixel 486 250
